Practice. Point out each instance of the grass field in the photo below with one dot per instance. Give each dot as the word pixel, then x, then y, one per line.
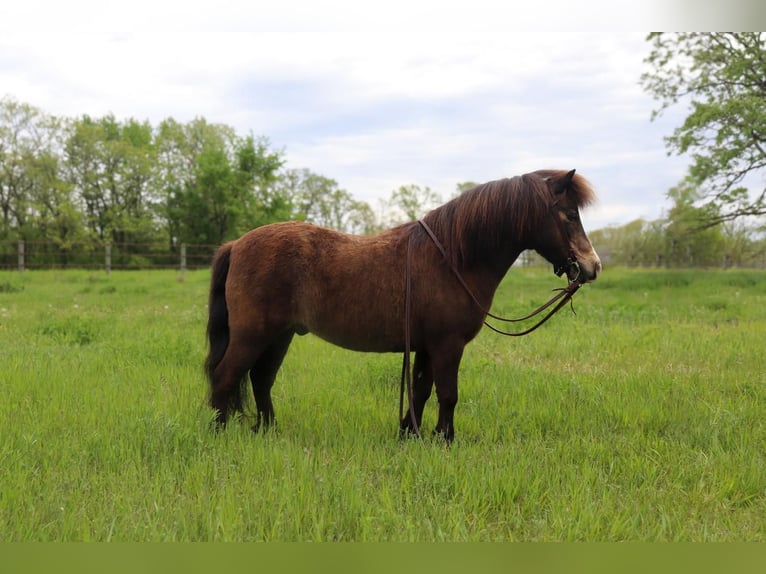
pixel 643 417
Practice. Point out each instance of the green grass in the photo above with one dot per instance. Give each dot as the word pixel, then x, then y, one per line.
pixel 640 418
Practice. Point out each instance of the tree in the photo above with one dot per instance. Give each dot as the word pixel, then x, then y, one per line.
pixel 320 200
pixel 35 203
pixel 214 184
pixel 686 242
pixel 638 242
pixel 21 140
pixel 179 148
pixel 210 207
pixel 741 246
pixel 310 195
pixel 362 220
pixel 409 202
pixel 55 216
pixel 722 77
pixel 255 173
pixel 110 164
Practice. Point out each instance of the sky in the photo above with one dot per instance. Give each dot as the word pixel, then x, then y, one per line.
pixel 374 95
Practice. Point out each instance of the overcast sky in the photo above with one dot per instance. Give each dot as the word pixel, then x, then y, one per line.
pixel 372 94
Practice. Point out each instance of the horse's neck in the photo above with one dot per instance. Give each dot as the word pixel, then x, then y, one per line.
pixel 485 278
pixel 486 268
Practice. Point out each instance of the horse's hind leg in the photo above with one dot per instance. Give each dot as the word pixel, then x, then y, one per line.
pixel 422 384
pixel 262 376
pixel 226 395
pixel 241 354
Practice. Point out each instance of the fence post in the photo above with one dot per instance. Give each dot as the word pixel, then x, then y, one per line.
pixel 183 260
pixel 21 255
pixel 108 258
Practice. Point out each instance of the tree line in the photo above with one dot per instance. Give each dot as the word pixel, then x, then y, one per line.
pixel 677 241
pixel 86 181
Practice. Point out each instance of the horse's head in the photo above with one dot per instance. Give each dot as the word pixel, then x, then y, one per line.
pixel 563 242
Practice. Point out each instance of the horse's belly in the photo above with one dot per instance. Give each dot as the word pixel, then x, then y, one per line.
pixel 359 315
pixel 369 340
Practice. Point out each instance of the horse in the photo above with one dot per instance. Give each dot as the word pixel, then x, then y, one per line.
pixel 290 278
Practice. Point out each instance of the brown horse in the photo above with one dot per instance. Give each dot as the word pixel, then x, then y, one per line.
pixel 294 277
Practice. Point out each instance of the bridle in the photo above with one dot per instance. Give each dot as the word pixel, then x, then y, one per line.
pixel 563 296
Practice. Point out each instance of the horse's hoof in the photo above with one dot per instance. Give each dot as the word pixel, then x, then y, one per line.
pixel 406 431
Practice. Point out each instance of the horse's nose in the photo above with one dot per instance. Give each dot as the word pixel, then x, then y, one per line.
pixel 592 269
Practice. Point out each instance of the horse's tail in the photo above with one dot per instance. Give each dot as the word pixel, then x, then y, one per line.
pixel 218 312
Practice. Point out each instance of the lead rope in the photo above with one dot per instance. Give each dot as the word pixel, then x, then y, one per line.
pixel 406 368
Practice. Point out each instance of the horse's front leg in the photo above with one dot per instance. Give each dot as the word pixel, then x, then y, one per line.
pixel 422 384
pixel 445 366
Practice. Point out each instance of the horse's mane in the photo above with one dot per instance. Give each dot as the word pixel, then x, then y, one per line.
pixel 493 214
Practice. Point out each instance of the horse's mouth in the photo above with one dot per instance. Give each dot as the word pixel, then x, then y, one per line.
pixel 573 272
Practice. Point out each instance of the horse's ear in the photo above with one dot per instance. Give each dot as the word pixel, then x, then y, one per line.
pixel 560 185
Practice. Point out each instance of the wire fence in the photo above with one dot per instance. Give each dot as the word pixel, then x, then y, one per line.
pixel 24 255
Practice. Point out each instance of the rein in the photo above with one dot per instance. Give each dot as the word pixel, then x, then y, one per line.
pixel 564 293
pixel 406 370
pixel 561 298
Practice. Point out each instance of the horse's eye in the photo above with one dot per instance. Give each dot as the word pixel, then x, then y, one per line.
pixel 572 215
